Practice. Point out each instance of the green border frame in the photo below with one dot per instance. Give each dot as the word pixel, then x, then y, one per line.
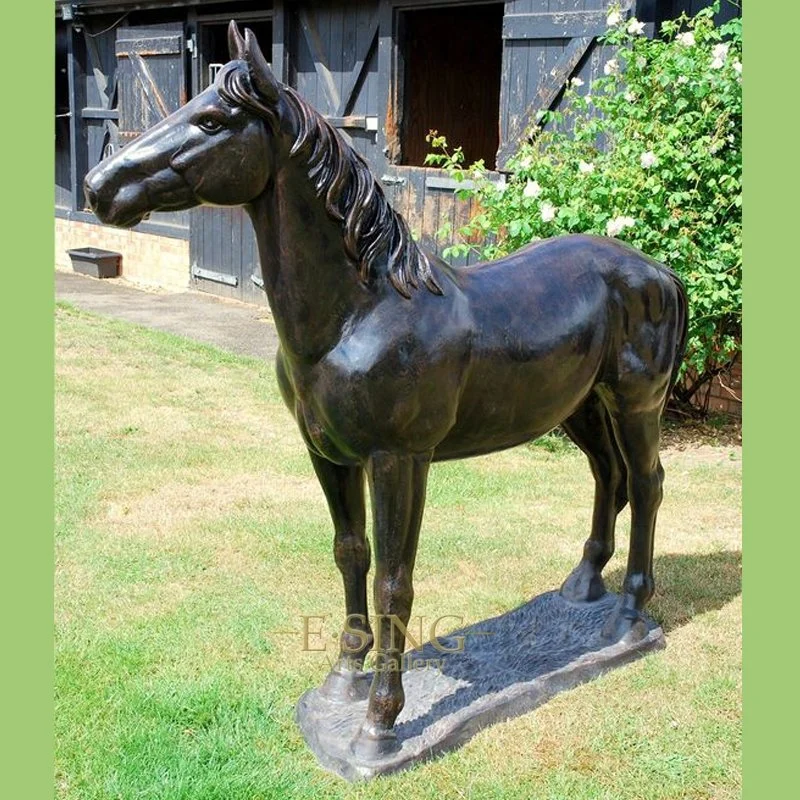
pixel 772 289
pixel 26 534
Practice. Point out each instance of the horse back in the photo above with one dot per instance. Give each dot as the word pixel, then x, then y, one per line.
pixel 560 295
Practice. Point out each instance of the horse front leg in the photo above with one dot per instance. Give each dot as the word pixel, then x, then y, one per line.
pixel 344 491
pixel 397 485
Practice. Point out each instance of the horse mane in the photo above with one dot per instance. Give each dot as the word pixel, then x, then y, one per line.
pixel 352 195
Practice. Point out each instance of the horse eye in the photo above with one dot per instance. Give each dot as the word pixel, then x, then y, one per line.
pixel 210 125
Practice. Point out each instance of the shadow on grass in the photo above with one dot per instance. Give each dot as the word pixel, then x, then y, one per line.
pixel 689 584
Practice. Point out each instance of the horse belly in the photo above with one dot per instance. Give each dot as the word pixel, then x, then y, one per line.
pixel 509 404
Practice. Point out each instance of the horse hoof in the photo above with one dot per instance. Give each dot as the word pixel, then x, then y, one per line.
pixel 584 584
pixel 624 625
pixel 374 744
pixel 346 686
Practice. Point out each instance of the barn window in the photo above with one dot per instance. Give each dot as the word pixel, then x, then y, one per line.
pixel 449 62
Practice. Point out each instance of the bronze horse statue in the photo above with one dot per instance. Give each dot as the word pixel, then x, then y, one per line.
pixel 390 359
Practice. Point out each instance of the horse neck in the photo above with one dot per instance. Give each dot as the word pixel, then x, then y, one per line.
pixel 312 287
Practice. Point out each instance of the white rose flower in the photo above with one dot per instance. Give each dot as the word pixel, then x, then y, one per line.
pixel 532 189
pixel 717 63
pixel 576 82
pixel 686 39
pixel 614 18
pixel 641 62
pixel 548 212
pixel 737 65
pixel 611 67
pixel 720 50
pixel 615 226
pixel 648 159
pixel 635 28
pixel 683 79
pixel 584 168
pixel 630 96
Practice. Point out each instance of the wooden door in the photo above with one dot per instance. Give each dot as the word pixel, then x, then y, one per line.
pixel 151 84
pixel 152 77
pixel 222 245
pixel 545 44
pixel 331 58
pixel 440 70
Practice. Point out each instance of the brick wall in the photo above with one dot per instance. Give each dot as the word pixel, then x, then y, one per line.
pixel 724 393
pixel 147 259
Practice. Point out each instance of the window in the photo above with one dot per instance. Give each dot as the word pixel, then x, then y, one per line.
pixel 449 64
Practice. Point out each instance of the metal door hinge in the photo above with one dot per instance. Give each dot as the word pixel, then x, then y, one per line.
pixel 217 277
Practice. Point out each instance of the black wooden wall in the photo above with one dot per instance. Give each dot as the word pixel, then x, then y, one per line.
pixel 63 186
pixel 367 65
pixel 330 57
pixel 672 9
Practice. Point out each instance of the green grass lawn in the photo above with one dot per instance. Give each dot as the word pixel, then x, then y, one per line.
pixel 190 532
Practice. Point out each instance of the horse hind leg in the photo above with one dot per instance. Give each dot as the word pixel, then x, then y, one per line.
pixel 590 428
pixel 637 428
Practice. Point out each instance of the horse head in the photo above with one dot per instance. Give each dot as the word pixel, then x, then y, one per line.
pixel 213 151
pixel 226 145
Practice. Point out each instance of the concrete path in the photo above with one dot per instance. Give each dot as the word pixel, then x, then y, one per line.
pixel 228 324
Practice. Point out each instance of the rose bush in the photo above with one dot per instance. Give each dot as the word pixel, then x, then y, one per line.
pixel 651 154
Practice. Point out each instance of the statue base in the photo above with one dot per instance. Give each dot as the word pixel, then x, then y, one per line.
pixel 502 668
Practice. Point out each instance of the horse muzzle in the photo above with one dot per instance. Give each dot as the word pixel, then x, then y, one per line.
pixel 120 209
pixel 123 198
pixel 113 203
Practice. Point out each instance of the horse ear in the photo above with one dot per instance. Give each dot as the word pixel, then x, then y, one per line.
pixel 235 41
pixel 260 74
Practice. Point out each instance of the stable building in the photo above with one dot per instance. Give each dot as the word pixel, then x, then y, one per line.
pixel 384 72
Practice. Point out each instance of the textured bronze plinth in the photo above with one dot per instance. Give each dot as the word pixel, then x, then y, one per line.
pixel 508 666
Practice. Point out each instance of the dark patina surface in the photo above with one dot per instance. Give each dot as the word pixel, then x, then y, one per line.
pixel 390 359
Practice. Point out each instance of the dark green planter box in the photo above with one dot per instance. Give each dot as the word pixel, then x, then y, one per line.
pixel 95 262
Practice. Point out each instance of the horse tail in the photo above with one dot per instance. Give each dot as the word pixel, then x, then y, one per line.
pixel 683 322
